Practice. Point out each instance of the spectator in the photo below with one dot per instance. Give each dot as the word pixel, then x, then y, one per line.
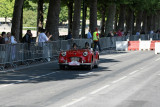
pixel 13 40
pixel 89 35
pixel 151 32
pixel 2 39
pixel 48 34
pixel 27 37
pixel 42 36
pixel 69 36
pixel 119 33
pixel 122 31
pixel 115 33
pixel 8 38
pixel 96 39
pixel 138 33
pixel 110 34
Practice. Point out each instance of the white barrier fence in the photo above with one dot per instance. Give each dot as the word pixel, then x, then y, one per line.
pixel 121 45
pixel 145 45
pixel 157 47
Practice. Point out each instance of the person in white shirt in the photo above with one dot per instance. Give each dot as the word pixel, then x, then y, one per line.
pixel 13 48
pixel 13 40
pixel 42 38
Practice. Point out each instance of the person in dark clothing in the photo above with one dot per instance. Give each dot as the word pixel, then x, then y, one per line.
pixel 2 39
pixel 69 36
pixel 28 37
pixel 110 34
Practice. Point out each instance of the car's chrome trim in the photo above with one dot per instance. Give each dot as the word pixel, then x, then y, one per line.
pixel 78 65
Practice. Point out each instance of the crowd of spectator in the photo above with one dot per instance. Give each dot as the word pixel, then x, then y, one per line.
pixel 120 33
pixel 7 38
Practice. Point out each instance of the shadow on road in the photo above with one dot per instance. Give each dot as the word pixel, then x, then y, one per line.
pixel 51 72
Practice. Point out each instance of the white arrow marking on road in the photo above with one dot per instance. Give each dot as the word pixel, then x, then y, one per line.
pixel 119 79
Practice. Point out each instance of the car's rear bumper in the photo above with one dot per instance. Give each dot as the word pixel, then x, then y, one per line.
pixel 81 64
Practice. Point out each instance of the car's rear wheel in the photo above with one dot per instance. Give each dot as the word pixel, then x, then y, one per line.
pixel 62 67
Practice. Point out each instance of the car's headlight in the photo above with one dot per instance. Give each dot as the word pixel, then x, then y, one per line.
pixel 63 53
pixel 85 53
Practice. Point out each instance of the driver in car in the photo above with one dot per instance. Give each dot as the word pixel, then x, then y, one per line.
pixel 87 45
pixel 74 46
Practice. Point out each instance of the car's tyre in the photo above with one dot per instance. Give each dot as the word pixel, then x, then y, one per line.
pixel 62 67
pixel 96 66
pixel 89 67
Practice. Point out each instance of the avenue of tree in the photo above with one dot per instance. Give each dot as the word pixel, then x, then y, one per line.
pixel 131 15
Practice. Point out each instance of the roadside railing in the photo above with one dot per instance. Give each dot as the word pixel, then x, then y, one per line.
pixel 21 53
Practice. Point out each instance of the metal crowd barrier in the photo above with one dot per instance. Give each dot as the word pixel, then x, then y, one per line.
pixel 14 53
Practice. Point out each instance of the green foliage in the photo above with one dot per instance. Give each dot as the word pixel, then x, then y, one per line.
pixel 6 8
pixel 29 18
pixel 63 16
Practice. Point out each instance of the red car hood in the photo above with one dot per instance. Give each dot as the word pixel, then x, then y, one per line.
pixel 77 52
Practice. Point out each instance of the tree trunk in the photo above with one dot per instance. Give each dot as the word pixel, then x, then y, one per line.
pixel 21 27
pixel 130 21
pixel 139 20
pixel 152 22
pixel 155 21
pixel 122 17
pixel 17 18
pixel 40 16
pixel 76 19
pixel 110 18
pixel 84 19
pixel 5 20
pixel 158 14
pixel 149 18
pixel 93 15
pixel 103 20
pixel 116 21
pixel 70 17
pixel 144 28
pixel 52 24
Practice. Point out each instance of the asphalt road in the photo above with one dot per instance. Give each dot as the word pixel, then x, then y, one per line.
pixel 127 79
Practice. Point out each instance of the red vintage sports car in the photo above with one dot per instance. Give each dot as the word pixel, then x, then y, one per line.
pixel 79 57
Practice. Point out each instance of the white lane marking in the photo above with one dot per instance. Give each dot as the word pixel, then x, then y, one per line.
pixel 5 85
pixel 157 59
pixel 133 72
pixel 96 91
pixel 86 74
pixel 71 103
pixel 27 80
pixel 119 79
